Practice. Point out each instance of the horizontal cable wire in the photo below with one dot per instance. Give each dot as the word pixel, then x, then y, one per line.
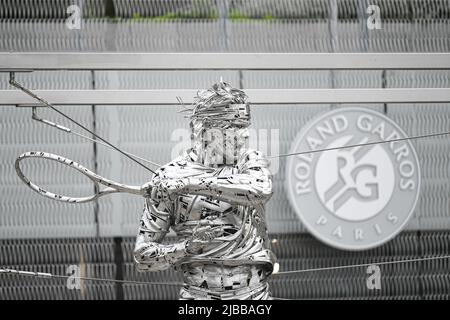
pixel 362 265
pixel 57 276
pixel 438 134
pixel 49 275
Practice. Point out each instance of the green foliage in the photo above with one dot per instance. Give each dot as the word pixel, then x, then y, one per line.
pixel 203 9
pixel 235 15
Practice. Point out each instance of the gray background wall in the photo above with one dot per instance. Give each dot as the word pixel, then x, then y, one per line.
pixel 42 234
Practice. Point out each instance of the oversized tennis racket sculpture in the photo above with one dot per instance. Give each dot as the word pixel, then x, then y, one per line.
pixel 111 186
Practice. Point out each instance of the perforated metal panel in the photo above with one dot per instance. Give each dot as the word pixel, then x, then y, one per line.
pixel 94 258
pixel 409 280
pixel 247 26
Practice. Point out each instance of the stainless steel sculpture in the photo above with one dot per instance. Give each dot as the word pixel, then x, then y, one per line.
pixel 213 197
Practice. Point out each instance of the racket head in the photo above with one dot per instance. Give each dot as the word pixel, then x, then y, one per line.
pixel 112 186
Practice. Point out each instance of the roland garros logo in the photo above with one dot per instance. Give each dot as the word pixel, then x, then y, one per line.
pixel 353 198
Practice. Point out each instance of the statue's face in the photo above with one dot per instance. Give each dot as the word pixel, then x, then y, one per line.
pixel 223 146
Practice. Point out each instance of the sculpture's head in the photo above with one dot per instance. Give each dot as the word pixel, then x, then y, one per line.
pixel 219 122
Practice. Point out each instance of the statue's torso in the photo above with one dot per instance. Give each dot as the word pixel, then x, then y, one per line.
pixel 239 260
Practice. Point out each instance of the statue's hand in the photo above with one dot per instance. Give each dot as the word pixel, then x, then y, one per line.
pixel 202 236
pixel 148 189
pixel 164 189
pixel 170 188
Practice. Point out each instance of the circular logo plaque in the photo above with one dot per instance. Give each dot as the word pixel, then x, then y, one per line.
pixel 359 197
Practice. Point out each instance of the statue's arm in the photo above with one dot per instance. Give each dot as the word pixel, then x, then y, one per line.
pixel 252 184
pixel 149 253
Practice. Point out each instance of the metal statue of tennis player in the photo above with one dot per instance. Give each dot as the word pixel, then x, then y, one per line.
pixel 213 197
